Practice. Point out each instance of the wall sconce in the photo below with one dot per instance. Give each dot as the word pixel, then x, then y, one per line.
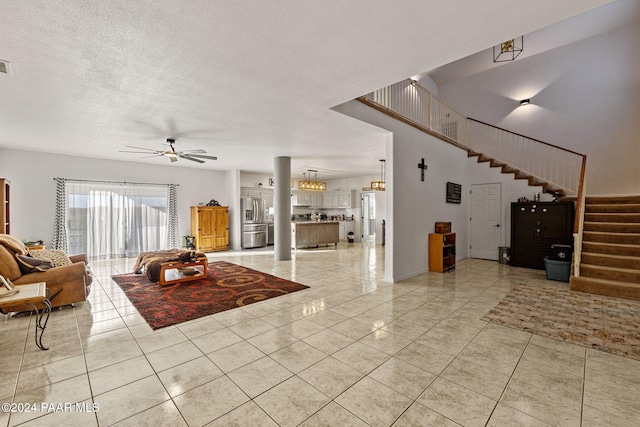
pixel 525 102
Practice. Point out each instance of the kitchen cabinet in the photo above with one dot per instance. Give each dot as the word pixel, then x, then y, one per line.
pixel 442 252
pixel 301 199
pixel 314 234
pixel 340 200
pixel 345 228
pixel 347 200
pixel 535 226
pixel 210 227
pixel 330 200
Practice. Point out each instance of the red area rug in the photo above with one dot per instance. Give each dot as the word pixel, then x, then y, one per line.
pixel 227 286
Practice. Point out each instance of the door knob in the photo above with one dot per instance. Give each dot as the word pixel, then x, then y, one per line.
pixel 497 225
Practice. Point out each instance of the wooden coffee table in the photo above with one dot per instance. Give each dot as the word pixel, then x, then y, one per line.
pixel 170 271
pixel 32 294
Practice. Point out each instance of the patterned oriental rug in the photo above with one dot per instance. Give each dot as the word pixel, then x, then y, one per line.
pixel 227 286
pixel 599 322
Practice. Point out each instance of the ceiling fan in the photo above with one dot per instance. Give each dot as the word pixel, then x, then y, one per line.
pixel 172 154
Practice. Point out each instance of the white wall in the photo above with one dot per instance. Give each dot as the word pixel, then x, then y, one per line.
pixel 412 206
pixel 33 190
pixel 252 180
pixel 584 97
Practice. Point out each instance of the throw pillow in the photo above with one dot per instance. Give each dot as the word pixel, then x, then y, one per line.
pixel 29 264
pixel 57 257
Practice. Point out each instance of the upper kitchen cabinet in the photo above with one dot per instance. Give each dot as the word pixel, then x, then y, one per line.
pixel 330 200
pixel 339 199
pixel 301 198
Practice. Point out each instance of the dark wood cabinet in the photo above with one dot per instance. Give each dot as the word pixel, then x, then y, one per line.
pixel 535 226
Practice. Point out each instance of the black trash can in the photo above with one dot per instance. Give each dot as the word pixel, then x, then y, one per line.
pixel 350 236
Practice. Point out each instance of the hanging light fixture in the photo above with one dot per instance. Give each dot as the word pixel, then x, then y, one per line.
pixel 380 185
pixel 509 50
pixel 311 184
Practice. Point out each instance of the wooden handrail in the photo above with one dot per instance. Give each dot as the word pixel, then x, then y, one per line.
pixel 581 195
pixel 528 137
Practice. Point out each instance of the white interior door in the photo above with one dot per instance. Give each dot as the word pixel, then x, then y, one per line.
pixel 486 208
pixel 368 216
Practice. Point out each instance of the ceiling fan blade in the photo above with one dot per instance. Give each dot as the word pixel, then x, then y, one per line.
pixel 200 156
pixel 137 152
pixel 199 150
pixel 142 148
pixel 192 159
pixel 153 155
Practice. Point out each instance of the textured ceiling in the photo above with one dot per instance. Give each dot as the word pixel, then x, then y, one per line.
pixel 244 80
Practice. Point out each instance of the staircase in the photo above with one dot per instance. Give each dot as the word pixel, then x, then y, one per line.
pixel 518 174
pixel 610 260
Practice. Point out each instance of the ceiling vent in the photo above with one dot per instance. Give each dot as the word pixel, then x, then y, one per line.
pixel 4 67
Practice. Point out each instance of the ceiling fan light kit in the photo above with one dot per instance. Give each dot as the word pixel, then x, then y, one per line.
pixel 196 155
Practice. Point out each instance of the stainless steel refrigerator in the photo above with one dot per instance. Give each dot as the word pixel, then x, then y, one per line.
pixel 254 227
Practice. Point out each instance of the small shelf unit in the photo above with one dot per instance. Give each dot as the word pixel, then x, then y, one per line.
pixel 5 209
pixel 442 252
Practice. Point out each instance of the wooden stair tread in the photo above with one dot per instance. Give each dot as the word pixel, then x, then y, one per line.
pixel 609 281
pixel 612 199
pixel 618 269
pixel 603 233
pixel 628 257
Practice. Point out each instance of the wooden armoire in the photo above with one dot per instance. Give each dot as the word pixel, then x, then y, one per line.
pixel 535 227
pixel 210 227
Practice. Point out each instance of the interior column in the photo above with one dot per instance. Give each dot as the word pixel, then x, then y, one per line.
pixel 282 209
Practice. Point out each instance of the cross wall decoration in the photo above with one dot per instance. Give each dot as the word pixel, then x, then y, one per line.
pixel 422 168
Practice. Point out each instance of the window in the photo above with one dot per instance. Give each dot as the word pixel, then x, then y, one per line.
pixel 113 220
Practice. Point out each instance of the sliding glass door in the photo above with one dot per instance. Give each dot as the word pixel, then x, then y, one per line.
pixel 114 220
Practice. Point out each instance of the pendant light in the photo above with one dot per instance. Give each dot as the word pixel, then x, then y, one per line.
pixel 509 50
pixel 311 184
pixel 380 185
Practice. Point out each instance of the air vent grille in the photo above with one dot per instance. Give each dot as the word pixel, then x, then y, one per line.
pixel 4 67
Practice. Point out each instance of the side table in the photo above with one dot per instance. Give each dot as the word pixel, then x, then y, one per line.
pixel 32 294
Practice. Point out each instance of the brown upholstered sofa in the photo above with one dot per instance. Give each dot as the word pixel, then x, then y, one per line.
pixel 68 283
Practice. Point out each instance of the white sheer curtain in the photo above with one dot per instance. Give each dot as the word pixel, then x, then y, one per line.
pixel 113 220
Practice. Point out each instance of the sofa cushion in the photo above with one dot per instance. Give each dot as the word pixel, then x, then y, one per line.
pixel 8 264
pixel 29 264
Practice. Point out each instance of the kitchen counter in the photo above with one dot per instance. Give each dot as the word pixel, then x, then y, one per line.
pixel 324 221
pixel 314 233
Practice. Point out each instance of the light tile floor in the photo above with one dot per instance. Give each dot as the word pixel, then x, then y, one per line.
pixel 352 350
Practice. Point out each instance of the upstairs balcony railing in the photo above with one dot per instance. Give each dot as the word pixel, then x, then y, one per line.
pixel 563 169
pixel 412 103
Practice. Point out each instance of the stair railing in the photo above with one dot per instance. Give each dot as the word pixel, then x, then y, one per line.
pixel 555 165
pixel 410 102
pixel 578 223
